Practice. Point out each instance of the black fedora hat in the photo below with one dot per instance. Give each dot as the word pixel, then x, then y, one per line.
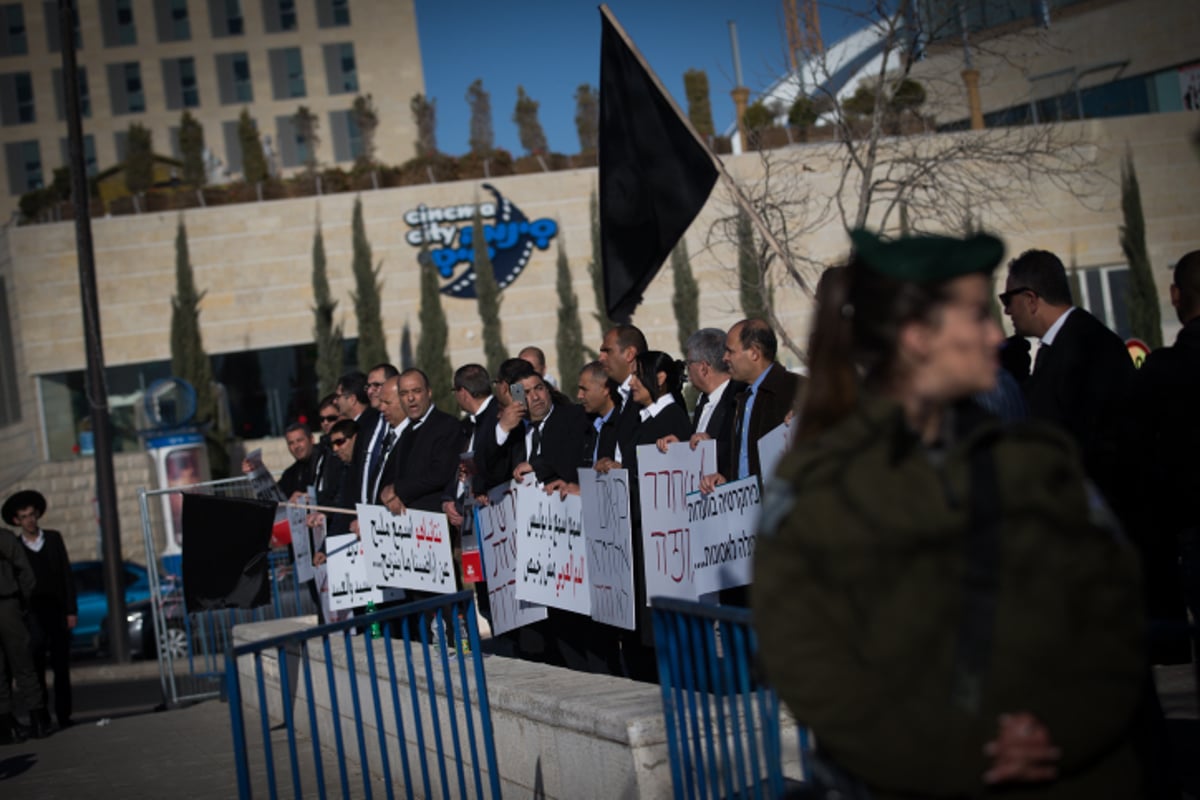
pixel 22 499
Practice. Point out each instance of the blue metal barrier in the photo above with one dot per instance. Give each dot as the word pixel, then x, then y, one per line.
pixel 438 701
pixel 723 724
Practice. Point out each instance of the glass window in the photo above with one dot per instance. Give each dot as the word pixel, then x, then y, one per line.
pixel 179 83
pixel 12 30
pixel 293 149
pixel 172 20
pixel 287 15
pixel 118 23
pixel 24 162
pixel 341 72
pixel 347 140
pixel 16 98
pixel 233 79
pixel 126 87
pixel 24 88
pixel 85 97
pixel 89 153
pixel 10 396
pixel 333 13
pixel 1104 291
pixel 50 11
pixel 279 15
pixel 287 73
pixel 226 18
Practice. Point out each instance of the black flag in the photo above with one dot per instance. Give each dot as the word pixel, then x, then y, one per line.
pixel 225 547
pixel 655 175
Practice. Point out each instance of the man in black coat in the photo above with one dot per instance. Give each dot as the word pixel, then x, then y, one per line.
pixel 477 432
pixel 549 439
pixel 618 352
pixel 354 404
pixel 421 457
pixel 598 396
pixel 302 472
pixel 16 660
pixel 1082 372
pixel 53 610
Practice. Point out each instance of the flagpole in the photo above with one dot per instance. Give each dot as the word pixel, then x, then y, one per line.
pixel 739 196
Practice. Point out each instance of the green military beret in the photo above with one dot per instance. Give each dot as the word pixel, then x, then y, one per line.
pixel 927 259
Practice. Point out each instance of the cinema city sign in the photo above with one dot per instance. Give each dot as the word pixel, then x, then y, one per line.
pixel 511 238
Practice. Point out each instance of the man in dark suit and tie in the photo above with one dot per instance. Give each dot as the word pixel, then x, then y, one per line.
pixel 354 403
pixel 1082 373
pixel 549 439
pixel 717 404
pixel 618 352
pixel 421 457
pixel 473 393
pixel 597 395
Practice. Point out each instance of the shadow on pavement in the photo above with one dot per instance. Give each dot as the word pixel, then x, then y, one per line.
pixel 13 766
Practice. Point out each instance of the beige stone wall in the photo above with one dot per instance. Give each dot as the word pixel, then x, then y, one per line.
pixel 386 49
pixel 19 441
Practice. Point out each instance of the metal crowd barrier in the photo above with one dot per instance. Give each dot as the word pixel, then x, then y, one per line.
pixel 191 644
pixel 421 725
pixel 725 727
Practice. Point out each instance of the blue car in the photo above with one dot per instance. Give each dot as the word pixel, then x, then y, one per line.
pixel 93 603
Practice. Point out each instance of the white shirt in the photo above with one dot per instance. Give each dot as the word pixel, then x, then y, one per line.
pixel 475 418
pixel 1048 337
pixel 714 397
pixel 624 390
pixel 37 544
pixel 655 408
pixel 529 434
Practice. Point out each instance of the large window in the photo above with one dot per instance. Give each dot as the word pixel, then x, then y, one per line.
pixel 179 82
pixel 171 18
pixel 10 398
pixel 347 140
pixel 233 79
pixel 12 30
pixel 333 13
pixel 16 99
pixel 24 162
pixel 287 73
pixel 294 149
pixel 53 35
pixel 340 69
pixel 1104 291
pixel 226 18
pixel 233 147
pixel 89 153
pixel 116 18
pixel 125 88
pixel 279 15
pixel 60 93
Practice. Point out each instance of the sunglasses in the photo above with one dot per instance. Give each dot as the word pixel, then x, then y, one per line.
pixel 330 417
pixel 1007 297
pixel 375 385
pixel 338 442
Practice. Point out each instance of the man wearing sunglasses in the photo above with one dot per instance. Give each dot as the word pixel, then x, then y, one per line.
pixel 1082 373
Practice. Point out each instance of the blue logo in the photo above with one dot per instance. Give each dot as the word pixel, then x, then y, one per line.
pixel 511 238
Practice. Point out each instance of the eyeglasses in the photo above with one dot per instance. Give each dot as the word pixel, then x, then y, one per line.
pixel 1007 297
pixel 330 417
pixel 375 385
pixel 338 442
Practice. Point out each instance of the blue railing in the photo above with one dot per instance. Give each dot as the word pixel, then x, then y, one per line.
pixel 723 724
pixel 440 722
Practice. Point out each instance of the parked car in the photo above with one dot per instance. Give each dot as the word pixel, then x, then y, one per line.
pixel 93 602
pixel 139 617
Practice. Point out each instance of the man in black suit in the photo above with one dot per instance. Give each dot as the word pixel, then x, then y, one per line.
pixel 420 445
pixel 621 346
pixel 717 404
pixel 473 393
pixel 549 439
pixel 597 395
pixel 354 404
pixel 1082 373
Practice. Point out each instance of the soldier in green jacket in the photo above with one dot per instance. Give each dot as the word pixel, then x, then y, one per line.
pixel 944 599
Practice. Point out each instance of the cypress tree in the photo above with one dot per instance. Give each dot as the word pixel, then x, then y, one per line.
pixel 191 146
pixel 424 113
pixel 307 125
pixel 406 347
pixel 487 295
pixel 139 159
pixel 254 161
pixel 570 329
pixel 587 118
pixel 189 361
pixel 481 138
pixel 326 335
pixel 1145 318
pixel 372 348
pixel 695 86
pixel 366 117
pixel 529 128
pixel 594 266
pixel 750 278
pixel 686 300
pixel 435 333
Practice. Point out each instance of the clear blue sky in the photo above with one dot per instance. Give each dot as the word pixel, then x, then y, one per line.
pixel 552 46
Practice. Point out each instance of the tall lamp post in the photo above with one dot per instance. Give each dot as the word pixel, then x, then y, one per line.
pixel 96 389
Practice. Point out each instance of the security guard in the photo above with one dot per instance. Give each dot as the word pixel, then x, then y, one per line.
pixel 16 657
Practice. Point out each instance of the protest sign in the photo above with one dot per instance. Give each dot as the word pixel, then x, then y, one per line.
pixel 772 446
pixel 261 482
pixel 609 534
pixel 301 543
pixel 551 556
pixel 328 614
pixel 722 529
pixel 349 586
pixel 664 482
pixel 497 523
pixel 409 550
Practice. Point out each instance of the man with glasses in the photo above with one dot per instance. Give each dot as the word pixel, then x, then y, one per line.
pixel 1082 373
pixel 328 470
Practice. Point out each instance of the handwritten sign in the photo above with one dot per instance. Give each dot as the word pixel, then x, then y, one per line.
pixel 301 543
pixel 551 556
pixel 497 525
pixel 410 550
pixel 261 482
pixel 665 481
pixel 609 535
pixel 772 446
pixel 321 577
pixel 722 529
pixel 349 586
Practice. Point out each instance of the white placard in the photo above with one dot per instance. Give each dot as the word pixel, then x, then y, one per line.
pixel 497 525
pixel 328 614
pixel 772 446
pixel 261 481
pixel 608 531
pixel 551 552
pixel 347 566
pixel 722 527
pixel 301 543
pixel 664 482
pixel 410 550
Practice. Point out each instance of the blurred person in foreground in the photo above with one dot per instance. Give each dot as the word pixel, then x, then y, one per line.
pixel 944 599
